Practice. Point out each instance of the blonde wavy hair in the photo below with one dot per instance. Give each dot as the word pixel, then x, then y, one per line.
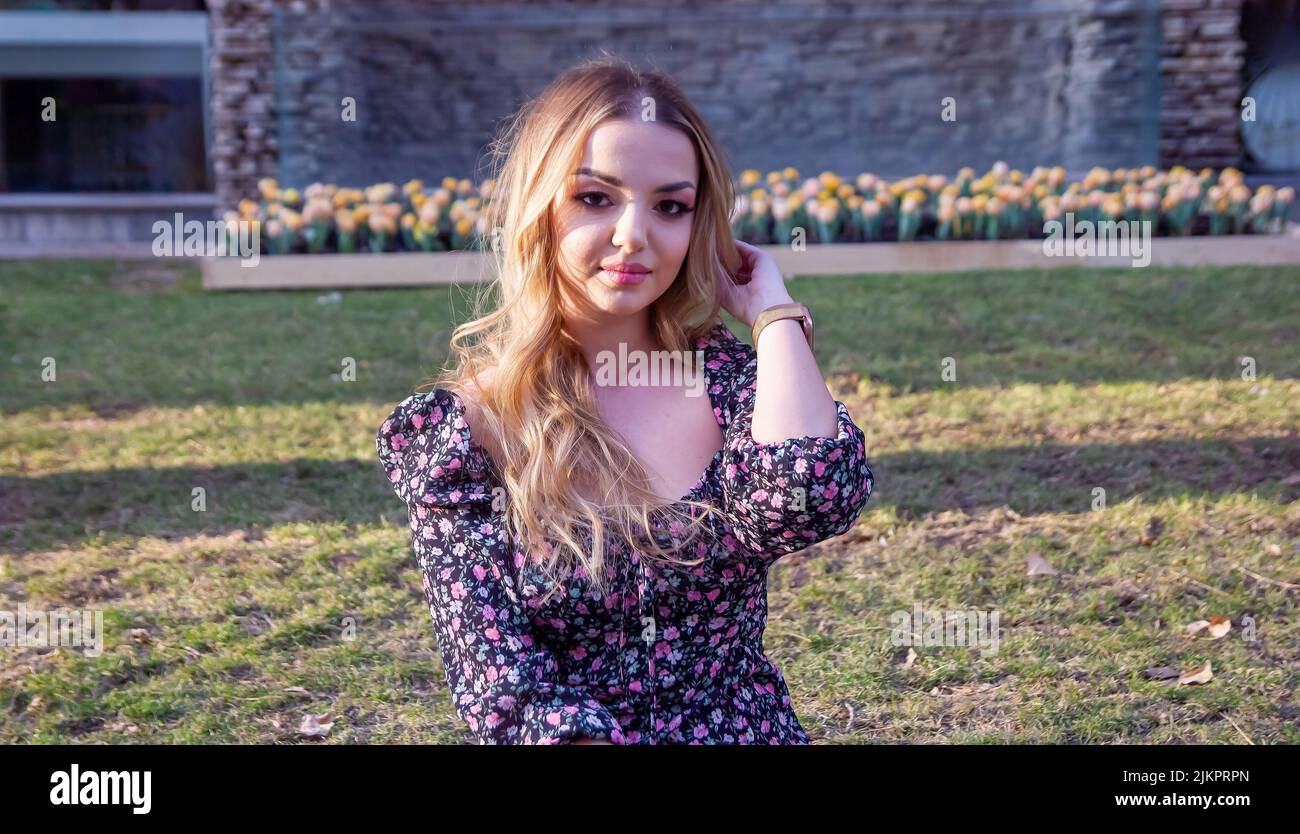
pixel 541 406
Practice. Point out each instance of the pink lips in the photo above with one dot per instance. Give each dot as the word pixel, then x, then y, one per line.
pixel 629 275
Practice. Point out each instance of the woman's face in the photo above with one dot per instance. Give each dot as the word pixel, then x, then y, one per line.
pixel 630 203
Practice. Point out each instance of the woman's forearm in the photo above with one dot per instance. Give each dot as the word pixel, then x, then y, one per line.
pixel 791 398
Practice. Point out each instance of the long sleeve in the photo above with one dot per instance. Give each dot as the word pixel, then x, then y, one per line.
pixel 503 683
pixel 782 497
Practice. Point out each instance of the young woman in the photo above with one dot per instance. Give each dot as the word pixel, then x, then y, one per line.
pixel 586 583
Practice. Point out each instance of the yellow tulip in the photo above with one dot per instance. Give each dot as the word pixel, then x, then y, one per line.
pixel 268 188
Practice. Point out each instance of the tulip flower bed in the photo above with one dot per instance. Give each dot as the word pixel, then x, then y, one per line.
pixel 1002 204
pixel 325 218
pixel 780 209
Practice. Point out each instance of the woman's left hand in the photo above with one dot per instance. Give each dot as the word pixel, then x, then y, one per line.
pixel 765 288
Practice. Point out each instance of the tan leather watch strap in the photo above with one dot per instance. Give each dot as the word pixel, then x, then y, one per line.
pixel 784 311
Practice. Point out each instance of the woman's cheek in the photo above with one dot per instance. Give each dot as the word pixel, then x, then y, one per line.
pixel 681 241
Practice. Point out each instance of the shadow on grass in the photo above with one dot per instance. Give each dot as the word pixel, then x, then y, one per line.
pixel 69 509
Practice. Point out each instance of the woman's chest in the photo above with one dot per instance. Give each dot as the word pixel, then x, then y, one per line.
pixel 672 431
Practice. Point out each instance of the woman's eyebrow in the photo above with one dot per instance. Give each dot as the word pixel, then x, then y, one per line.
pixel 618 183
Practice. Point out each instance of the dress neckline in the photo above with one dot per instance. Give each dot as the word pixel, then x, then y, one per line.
pixel 715 403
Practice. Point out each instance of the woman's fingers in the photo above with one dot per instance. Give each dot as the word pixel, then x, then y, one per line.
pixel 746 272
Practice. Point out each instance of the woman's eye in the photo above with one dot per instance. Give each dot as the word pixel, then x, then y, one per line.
pixel 681 208
pixel 582 198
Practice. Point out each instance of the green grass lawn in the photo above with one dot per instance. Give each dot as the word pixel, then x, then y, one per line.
pixel 295 592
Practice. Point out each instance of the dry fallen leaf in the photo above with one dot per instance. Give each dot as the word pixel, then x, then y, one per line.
pixel 316 726
pixel 1161 673
pixel 1155 527
pixel 1219 626
pixel 911 658
pixel 297 689
pixel 1202 675
pixel 1039 566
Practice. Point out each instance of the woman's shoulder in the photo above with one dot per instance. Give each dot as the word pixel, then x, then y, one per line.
pixel 428 452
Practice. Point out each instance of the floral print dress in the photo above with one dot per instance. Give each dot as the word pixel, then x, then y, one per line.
pixel 670 655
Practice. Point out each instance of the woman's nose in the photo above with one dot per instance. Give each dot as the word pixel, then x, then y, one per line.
pixel 630 228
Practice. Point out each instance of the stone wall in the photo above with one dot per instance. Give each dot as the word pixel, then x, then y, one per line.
pixel 243 146
pixel 1201 78
pixel 818 84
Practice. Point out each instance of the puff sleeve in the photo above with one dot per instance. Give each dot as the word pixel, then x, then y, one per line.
pixel 782 497
pixel 503 683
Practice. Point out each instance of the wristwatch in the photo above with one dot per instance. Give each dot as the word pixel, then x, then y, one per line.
pixel 777 312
